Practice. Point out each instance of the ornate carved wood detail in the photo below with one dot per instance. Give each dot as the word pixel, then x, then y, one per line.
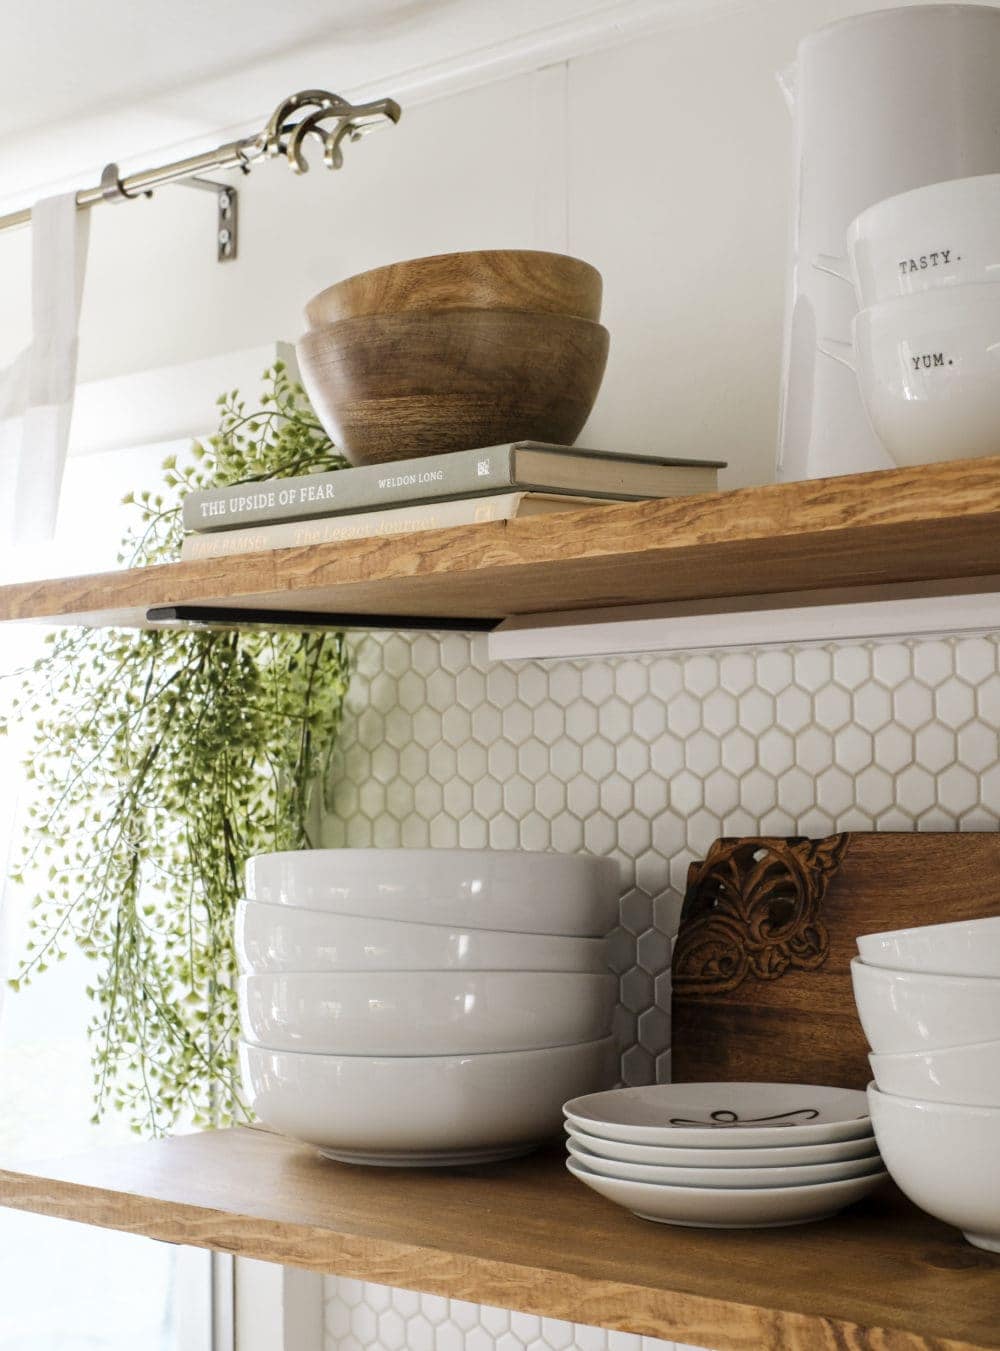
pixel 754 908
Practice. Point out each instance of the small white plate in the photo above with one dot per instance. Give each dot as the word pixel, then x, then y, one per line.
pixel 791 1176
pixel 452 1158
pixel 723 1116
pixel 726 1207
pixel 836 1151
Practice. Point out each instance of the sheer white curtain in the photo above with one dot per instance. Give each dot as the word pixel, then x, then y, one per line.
pixel 36 390
pixel 36 407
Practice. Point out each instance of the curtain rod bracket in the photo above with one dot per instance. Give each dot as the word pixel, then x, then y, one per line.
pixel 111 185
pixel 227 203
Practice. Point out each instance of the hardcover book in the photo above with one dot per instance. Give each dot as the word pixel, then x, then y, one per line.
pixel 372 524
pixel 525 466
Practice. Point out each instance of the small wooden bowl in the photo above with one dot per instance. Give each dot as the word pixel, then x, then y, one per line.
pixel 490 279
pixel 391 386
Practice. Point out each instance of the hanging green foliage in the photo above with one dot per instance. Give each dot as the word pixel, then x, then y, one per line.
pixel 160 762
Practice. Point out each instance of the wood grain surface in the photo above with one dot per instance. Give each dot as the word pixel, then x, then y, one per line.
pixel 394 386
pixel 902 525
pixel 527 1236
pixel 484 279
pixel 761 968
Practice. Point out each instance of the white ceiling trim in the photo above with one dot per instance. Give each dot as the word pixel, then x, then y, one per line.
pixel 58 158
pixel 597 29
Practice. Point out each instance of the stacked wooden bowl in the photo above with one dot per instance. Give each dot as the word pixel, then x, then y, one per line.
pixel 456 351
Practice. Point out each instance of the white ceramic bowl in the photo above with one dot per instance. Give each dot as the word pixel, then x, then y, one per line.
pixel 283 938
pixel 424 1013
pixel 945 1158
pixel 963 948
pixel 511 890
pixel 904 1011
pixel 834 1151
pixel 928 367
pixel 789 1176
pixel 729 1208
pixel 967 1075
pixel 422 1110
pixel 724 1115
pixel 943 235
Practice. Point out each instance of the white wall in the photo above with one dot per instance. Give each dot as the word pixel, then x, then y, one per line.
pixel 665 161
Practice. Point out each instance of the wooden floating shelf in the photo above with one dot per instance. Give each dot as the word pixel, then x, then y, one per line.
pixel 899 526
pixel 526 1235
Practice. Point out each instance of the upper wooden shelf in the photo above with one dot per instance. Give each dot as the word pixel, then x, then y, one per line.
pixel 527 1236
pixel 904 525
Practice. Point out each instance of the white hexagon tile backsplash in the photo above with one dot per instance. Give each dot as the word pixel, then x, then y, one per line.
pixel 365 1317
pixel 648 759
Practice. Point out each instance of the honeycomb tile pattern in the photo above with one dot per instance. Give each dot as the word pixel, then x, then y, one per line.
pixel 648 759
pixel 365 1317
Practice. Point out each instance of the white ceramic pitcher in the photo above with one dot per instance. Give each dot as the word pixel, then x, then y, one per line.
pixel 881 103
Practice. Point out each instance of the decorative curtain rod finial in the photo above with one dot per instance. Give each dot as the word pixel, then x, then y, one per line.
pixel 286 132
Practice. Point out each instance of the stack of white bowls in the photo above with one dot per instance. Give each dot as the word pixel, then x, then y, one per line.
pixel 926 342
pixel 424 1006
pixel 929 1003
pixel 721 1156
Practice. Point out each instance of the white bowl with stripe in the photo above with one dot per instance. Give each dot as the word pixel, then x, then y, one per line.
pixel 513 890
pixel 966 1075
pixel 273 938
pixel 961 948
pixel 422 1111
pixel 425 1013
pixel 905 1011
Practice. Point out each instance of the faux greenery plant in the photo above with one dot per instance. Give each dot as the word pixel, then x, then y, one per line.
pixel 160 762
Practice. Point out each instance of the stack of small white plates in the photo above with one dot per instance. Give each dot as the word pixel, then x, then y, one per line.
pixel 725 1156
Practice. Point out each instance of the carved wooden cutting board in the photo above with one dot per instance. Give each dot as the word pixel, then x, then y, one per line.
pixel 761 967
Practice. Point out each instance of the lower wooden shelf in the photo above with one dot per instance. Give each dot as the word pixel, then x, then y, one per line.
pixel 527 1236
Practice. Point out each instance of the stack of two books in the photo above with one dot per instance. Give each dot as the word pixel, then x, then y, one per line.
pixel 460 488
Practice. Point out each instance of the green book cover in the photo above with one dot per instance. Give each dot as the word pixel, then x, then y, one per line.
pixel 458 474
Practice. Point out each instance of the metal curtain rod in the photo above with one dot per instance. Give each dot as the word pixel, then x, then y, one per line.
pixel 312 113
